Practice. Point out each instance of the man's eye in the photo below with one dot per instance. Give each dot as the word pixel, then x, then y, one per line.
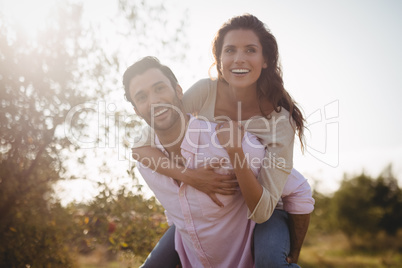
pixel 140 98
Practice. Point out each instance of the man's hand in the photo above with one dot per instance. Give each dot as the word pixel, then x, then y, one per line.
pixel 291 259
pixel 206 180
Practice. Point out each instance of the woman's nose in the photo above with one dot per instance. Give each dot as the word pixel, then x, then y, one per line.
pixel 239 57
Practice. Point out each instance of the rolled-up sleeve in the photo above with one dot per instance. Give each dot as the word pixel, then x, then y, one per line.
pixel 277 134
pixel 297 196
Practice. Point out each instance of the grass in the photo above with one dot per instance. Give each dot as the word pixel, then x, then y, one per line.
pixel 330 251
pixel 334 251
pixel 99 258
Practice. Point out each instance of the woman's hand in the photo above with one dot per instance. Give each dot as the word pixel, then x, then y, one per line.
pixel 206 180
pixel 230 135
pixel 203 179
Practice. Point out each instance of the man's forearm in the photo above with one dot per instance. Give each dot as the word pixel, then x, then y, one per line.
pixel 157 161
pixel 298 226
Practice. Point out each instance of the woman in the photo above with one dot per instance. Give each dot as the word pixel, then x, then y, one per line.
pixel 249 91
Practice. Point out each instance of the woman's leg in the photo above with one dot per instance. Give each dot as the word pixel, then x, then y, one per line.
pixel 272 242
pixel 164 253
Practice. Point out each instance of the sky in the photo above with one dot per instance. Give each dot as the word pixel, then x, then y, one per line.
pixel 341 61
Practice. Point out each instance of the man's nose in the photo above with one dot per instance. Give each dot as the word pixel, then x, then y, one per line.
pixel 154 98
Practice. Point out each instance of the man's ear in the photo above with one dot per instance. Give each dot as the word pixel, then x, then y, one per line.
pixel 179 92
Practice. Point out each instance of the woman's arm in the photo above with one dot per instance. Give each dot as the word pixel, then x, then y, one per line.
pixel 203 179
pixel 230 135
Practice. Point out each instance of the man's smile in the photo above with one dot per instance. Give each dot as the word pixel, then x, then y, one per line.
pixel 160 112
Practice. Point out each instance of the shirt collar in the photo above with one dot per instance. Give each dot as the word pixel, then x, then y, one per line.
pixel 191 138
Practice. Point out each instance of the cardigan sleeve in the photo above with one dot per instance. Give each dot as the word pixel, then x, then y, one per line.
pixel 195 97
pixel 277 134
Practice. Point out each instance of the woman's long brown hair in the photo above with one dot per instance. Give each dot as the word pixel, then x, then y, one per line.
pixel 270 83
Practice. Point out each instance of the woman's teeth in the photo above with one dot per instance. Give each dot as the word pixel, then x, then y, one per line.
pixel 240 71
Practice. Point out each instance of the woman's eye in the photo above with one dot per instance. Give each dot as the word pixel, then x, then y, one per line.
pixel 228 50
pixel 251 50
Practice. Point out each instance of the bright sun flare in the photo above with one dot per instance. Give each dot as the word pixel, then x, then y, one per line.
pixel 28 14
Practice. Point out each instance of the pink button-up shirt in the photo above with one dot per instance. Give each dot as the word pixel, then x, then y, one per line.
pixel 206 234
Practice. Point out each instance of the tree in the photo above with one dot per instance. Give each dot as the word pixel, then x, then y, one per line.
pixel 369 208
pixel 388 196
pixel 41 80
pixel 322 217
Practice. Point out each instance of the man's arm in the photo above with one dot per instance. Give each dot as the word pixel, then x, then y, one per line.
pixel 203 179
pixel 299 203
pixel 298 225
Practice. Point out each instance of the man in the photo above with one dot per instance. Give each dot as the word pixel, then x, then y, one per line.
pixel 206 235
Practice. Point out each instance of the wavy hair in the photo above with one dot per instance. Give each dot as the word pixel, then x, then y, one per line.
pixel 270 83
pixel 140 67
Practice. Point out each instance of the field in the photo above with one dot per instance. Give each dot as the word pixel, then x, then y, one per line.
pixel 329 251
pixel 334 251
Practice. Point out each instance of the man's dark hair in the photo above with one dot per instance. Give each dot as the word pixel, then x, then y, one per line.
pixel 140 67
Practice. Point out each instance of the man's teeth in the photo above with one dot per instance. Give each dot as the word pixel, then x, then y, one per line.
pixel 160 112
pixel 240 71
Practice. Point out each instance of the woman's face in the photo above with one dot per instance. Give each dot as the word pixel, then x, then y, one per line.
pixel 242 59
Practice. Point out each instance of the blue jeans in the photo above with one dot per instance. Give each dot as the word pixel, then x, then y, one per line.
pixel 271 245
pixel 164 253
pixel 272 242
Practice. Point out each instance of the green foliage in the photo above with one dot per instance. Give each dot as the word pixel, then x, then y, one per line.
pixel 39 84
pixel 322 217
pixel 388 196
pixel 367 210
pixel 123 220
pixel 37 235
pixel 42 78
pixel 354 207
pixel 364 205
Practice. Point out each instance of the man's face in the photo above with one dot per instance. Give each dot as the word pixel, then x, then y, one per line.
pixel 156 101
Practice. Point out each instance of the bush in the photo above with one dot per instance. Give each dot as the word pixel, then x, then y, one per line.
pixel 367 209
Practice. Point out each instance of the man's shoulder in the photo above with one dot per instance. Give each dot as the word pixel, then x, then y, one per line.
pixel 201 124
